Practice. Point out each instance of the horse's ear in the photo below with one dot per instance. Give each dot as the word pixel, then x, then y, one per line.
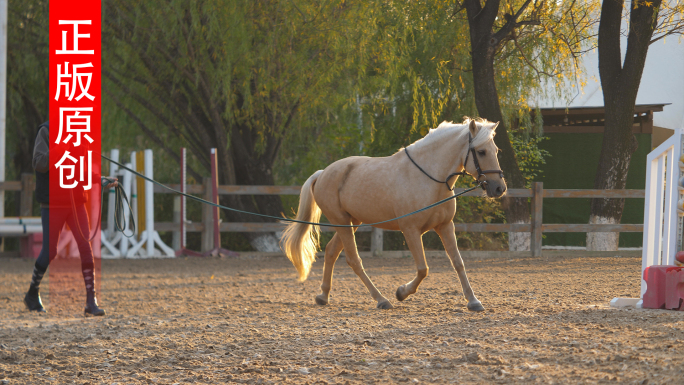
pixel 473 128
pixel 495 126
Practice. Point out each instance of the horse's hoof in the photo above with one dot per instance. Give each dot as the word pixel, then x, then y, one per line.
pixel 476 306
pixel 385 305
pixel 321 300
pixel 399 295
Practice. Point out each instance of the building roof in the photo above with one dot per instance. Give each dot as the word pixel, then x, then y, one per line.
pixel 662 81
pixel 585 119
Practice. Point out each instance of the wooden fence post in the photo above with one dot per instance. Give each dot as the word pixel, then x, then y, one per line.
pixel 28 185
pixel 208 217
pixel 376 241
pixel 537 204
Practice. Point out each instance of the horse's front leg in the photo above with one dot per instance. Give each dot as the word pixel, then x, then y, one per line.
pixel 447 233
pixel 414 240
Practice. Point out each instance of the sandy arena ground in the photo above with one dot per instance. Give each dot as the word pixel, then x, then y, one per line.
pixel 222 320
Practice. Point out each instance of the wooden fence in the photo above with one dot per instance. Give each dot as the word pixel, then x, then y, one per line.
pixel 535 227
pixel 27 185
pixel 537 194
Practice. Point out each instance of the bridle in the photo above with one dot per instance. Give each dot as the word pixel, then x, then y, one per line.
pixel 480 172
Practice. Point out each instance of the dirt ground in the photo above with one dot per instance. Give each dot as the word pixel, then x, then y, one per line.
pixel 240 320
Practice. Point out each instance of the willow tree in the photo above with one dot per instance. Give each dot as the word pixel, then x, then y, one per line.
pixel 517 51
pixel 420 71
pixel 647 22
pixel 539 40
pixel 232 75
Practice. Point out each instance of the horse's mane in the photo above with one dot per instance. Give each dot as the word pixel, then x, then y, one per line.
pixel 446 129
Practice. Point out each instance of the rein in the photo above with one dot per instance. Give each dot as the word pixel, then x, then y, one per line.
pixel 480 172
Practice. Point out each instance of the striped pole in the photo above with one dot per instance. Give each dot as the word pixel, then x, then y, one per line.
pixel 214 185
pixel 183 251
pixel 217 251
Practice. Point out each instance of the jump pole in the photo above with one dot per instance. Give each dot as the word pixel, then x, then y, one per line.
pixel 183 251
pixel 149 236
pixel 217 251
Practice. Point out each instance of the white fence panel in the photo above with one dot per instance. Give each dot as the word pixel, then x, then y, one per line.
pixel 662 224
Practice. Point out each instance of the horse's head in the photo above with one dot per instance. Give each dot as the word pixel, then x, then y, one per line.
pixel 485 165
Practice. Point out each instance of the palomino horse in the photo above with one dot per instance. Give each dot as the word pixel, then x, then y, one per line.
pixel 361 189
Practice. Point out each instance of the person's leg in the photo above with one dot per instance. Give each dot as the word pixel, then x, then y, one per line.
pixel 32 298
pixel 47 253
pixel 87 262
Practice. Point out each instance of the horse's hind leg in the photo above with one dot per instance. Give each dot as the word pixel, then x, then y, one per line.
pixel 414 240
pixel 346 235
pixel 332 252
pixel 446 232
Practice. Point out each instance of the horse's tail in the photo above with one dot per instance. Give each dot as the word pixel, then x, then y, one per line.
pixel 301 241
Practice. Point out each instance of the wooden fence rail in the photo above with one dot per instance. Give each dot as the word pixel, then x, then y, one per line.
pixel 294 190
pixel 537 194
pixel 535 227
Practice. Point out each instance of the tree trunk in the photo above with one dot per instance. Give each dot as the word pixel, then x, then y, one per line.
pixel 251 168
pixel 620 83
pixel 616 153
pixel 484 44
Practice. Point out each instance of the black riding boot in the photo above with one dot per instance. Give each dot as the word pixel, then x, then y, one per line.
pixel 32 298
pixel 91 308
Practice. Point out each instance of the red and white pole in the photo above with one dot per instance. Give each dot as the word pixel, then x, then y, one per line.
pixel 214 186
pixel 183 250
pixel 217 251
pixel 215 198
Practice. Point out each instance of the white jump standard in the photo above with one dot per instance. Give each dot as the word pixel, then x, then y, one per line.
pixel 662 218
pixel 133 247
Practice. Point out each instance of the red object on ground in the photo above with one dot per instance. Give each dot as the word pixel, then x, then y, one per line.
pixel 674 288
pixel 679 257
pixel 665 287
pixel 654 298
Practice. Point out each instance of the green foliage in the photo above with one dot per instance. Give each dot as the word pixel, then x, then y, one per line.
pixel 27 81
pixel 284 88
pixel 417 75
pixel 241 77
pixel 235 75
pixel 530 156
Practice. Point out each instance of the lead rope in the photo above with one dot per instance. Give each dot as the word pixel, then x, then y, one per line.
pixel 119 218
pixel 288 219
